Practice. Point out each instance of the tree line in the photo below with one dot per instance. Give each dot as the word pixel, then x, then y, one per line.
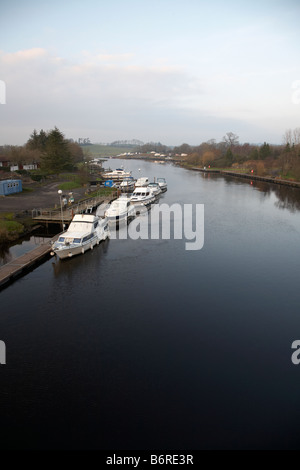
pixel 56 154
pixel 229 153
pixel 50 149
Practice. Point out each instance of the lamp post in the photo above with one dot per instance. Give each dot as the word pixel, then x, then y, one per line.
pixel 61 209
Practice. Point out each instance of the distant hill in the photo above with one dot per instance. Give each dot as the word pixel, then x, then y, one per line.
pixel 103 150
pixel 126 143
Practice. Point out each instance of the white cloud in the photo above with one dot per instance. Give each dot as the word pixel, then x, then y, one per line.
pixel 19 56
pixel 35 76
pixel 115 96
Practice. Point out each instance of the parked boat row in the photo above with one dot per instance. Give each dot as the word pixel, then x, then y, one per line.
pixel 87 230
pixel 127 183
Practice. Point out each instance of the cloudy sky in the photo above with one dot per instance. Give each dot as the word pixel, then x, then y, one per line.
pixel 172 71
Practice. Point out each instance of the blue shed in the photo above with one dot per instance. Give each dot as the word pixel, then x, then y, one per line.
pixel 10 187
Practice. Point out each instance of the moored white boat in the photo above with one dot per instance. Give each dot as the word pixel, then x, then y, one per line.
pixel 120 210
pixel 118 174
pixel 163 184
pixel 142 196
pixel 142 182
pixel 85 232
pixel 127 184
pixel 155 188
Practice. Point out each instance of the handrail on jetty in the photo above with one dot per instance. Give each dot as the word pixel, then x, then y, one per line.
pixel 67 213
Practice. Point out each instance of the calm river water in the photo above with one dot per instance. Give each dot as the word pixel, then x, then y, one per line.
pixel 144 345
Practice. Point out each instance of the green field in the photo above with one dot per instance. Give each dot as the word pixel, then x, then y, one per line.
pixel 97 150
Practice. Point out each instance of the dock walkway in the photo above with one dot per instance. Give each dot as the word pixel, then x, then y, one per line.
pixel 17 267
pixel 66 214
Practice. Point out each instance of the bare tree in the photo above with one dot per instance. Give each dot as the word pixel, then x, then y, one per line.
pixel 296 136
pixel 231 139
pixel 292 137
pixel 288 137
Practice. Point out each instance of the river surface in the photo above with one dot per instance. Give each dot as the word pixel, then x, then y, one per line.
pixel 142 344
pixel 9 253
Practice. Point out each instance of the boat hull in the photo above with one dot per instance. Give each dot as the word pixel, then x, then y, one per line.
pixel 68 252
pixel 140 206
pixel 115 220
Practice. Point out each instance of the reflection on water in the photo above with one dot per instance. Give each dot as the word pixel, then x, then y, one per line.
pixel 286 197
pixel 9 252
pixel 69 268
pixel 5 254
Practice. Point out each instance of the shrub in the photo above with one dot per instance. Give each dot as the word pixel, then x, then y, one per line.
pixel 38 175
pixel 10 229
pixel 260 169
pixel 23 172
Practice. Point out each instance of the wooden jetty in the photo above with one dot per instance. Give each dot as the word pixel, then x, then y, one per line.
pixel 66 214
pixel 19 266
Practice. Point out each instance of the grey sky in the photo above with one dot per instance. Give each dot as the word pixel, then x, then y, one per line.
pixel 170 70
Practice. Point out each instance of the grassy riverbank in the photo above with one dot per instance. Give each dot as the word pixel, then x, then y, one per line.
pixel 254 170
pixel 14 226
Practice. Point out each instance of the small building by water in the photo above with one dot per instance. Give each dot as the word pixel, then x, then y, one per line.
pixel 10 187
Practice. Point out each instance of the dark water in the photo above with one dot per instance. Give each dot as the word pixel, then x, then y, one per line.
pixel 9 253
pixel 144 345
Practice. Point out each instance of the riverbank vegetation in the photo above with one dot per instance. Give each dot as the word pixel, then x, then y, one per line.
pixel 9 228
pixel 281 161
pixel 50 151
pixel 47 156
pixel 14 225
pixel 54 155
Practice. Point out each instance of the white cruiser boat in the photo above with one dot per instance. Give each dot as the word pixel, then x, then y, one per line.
pixel 85 231
pixel 155 188
pixel 118 174
pixel 120 210
pixel 142 196
pixel 163 184
pixel 142 182
pixel 127 184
